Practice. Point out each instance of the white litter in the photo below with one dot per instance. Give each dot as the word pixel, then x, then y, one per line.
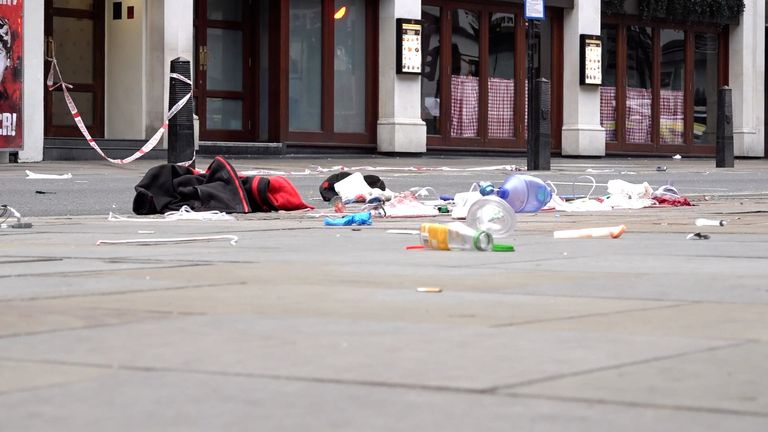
pixel 35 176
pixel 185 213
pixel 232 240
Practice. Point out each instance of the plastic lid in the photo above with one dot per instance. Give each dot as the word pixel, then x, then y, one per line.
pixel 503 248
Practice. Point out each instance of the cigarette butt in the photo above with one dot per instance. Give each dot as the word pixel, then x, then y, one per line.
pixel 429 289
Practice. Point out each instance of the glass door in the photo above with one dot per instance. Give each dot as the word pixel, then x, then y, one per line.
pixel 74 32
pixel 330 49
pixel 226 70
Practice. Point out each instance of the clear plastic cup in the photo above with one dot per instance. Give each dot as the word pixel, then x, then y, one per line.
pixel 492 214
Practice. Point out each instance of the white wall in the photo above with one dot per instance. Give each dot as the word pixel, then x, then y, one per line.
pixel 34 83
pixel 124 101
pixel 747 79
pixel 582 133
pixel 400 128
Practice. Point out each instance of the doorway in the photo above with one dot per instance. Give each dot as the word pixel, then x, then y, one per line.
pixel 230 39
pixel 74 33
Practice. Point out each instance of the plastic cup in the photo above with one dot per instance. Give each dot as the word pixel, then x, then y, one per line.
pixel 524 193
pixel 492 214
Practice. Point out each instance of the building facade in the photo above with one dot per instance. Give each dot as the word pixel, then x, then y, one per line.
pixel 322 74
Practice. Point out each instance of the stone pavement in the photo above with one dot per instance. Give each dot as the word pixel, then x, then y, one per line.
pixel 303 327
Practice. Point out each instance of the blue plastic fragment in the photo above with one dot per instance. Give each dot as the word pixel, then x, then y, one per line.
pixel 364 218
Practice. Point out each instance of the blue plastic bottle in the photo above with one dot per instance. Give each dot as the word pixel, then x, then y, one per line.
pixel 524 193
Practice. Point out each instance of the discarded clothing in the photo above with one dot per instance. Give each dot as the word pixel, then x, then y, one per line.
pixel 170 187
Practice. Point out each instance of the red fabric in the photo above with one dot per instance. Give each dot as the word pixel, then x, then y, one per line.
pixel 673 201
pixel 284 195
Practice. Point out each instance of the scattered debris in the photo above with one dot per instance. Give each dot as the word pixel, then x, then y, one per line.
pixel 709 222
pixel 364 218
pixel 34 176
pixel 612 232
pixel 7 212
pixel 185 213
pixel 697 236
pixel 429 289
pixel 232 240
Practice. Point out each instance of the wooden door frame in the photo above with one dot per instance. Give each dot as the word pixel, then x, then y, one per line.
pixel 97 15
pixel 688 146
pixel 279 78
pixel 250 74
pixel 444 140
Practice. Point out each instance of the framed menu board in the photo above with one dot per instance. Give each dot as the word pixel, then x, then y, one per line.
pixel 591 70
pixel 408 46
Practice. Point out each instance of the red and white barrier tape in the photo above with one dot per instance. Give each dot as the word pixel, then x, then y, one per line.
pixel 79 120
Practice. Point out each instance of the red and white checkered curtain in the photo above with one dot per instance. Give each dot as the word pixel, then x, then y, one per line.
pixel 638 115
pixel 672 117
pixel 465 97
pixel 608 112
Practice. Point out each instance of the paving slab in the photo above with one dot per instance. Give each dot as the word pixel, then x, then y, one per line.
pixel 748 322
pixel 716 380
pixel 352 350
pixel 206 402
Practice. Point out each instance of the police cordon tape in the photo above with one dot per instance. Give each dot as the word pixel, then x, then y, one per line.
pixel 79 120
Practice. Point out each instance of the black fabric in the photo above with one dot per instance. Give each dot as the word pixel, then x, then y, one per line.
pixel 258 194
pixel 169 187
pixel 327 190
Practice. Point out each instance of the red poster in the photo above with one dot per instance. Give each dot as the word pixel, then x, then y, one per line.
pixel 11 31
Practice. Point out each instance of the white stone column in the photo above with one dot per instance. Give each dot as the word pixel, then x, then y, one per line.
pixel 747 79
pixel 582 133
pixel 170 34
pixel 400 128
pixel 34 85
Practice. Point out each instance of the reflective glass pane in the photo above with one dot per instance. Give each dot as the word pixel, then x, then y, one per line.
pixel 225 59
pixel 224 114
pixel 74 48
pixel 608 89
pixel 672 78
pixel 225 10
pixel 639 84
pixel 61 114
pixel 349 66
pixel 705 88
pixel 501 79
pixel 305 65
pixel 465 72
pixel 430 77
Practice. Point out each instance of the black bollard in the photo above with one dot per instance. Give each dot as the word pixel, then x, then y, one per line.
pixel 540 140
pixel 724 144
pixel 181 131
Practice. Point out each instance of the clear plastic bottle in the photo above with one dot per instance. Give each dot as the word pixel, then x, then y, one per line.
pixel 455 236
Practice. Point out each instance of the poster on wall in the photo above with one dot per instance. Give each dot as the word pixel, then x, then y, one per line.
pixel 11 32
pixel 408 46
pixel 591 70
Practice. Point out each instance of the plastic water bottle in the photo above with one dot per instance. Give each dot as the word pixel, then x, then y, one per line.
pixel 492 214
pixel 524 193
pixel 455 236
